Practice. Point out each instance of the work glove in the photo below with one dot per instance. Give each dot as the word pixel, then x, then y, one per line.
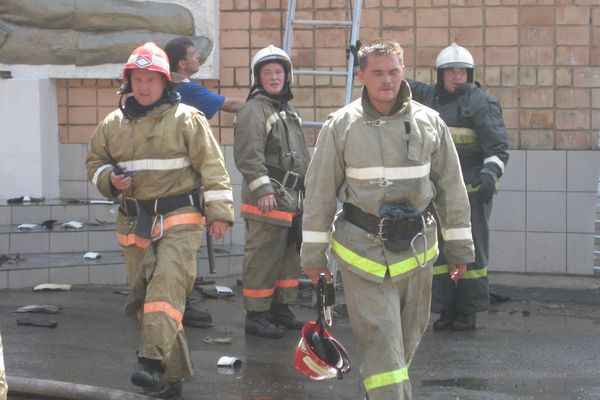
pixel 354 50
pixel 487 185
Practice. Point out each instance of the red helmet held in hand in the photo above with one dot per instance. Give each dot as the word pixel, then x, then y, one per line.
pixel 319 355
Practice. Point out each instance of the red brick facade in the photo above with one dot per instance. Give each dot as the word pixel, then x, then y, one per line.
pixel 540 58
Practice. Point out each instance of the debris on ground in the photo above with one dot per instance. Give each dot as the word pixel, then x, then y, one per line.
pixel 49 223
pixel 92 255
pixel 217 340
pixel 43 323
pixel 43 309
pixel 52 286
pixel 72 225
pixel 201 281
pixel 28 227
pixel 216 291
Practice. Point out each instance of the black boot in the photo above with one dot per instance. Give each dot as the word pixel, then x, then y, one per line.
pixel 166 391
pixel 446 319
pixel 258 324
pixel 148 376
pixel 195 318
pixel 280 314
pixel 464 322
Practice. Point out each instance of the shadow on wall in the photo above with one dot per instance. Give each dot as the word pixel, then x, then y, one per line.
pixel 89 32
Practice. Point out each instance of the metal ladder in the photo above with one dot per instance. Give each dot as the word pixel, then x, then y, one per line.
pixel 353 24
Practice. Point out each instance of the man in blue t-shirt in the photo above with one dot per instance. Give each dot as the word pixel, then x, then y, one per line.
pixel 184 62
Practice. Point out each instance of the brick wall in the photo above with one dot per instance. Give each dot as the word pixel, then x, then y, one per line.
pixel 540 58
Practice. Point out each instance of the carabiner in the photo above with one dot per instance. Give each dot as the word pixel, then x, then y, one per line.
pixel 160 220
pixel 412 245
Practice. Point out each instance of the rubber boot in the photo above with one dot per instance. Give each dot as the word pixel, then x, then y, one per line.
pixel 195 318
pixel 464 322
pixel 446 319
pixel 166 391
pixel 258 324
pixel 148 376
pixel 280 314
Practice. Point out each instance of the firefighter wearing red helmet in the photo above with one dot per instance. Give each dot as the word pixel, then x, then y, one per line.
pixel 475 122
pixel 386 158
pixel 271 155
pixel 155 154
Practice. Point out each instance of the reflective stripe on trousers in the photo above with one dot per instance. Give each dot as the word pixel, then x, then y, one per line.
pixel 271 266
pixel 386 378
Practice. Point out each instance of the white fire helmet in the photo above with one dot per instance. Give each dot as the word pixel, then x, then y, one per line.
pixel 454 56
pixel 271 54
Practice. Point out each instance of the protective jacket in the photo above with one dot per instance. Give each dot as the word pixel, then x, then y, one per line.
pixel 367 160
pixel 271 155
pixel 483 143
pixel 170 151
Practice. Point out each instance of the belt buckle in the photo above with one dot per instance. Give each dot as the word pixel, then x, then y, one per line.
pixel 286 177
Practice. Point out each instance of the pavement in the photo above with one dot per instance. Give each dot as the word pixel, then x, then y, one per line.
pixel 541 344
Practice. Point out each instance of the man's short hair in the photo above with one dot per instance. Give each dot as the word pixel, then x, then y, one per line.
pixel 379 47
pixel 176 50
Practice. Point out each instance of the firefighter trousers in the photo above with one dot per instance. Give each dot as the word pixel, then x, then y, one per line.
pixel 388 320
pixel 169 268
pixel 271 266
pixel 470 294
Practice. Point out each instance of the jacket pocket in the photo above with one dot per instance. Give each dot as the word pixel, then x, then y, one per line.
pixel 421 143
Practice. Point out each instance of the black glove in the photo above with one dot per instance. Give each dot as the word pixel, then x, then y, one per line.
pixel 354 50
pixel 487 186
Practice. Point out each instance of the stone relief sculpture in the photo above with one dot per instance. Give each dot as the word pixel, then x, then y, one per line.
pixel 89 32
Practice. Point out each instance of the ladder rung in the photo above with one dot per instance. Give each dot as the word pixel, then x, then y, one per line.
pixel 319 73
pixel 312 123
pixel 321 22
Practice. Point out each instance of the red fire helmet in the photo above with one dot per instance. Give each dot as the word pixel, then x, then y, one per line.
pixel 148 56
pixel 319 355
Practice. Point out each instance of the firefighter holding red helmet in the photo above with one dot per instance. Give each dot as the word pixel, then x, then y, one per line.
pixel 386 158
pixel 156 153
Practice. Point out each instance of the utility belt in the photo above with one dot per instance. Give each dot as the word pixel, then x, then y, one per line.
pixel 160 206
pixel 151 223
pixel 288 179
pixel 398 226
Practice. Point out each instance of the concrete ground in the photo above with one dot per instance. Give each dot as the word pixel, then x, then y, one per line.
pixel 541 344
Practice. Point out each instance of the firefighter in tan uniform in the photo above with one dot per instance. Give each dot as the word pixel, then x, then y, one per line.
pixel 157 153
pixel 386 158
pixel 271 154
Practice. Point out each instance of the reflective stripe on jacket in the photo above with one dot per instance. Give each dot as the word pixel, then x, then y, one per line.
pixel 367 160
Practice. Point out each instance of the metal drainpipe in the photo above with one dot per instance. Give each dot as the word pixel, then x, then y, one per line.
pixel 65 390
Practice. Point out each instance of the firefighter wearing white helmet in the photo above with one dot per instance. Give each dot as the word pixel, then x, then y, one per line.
pixel 272 157
pixel 475 121
pixel 155 154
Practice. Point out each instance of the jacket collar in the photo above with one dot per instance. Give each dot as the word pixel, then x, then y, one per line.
pixel 402 103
